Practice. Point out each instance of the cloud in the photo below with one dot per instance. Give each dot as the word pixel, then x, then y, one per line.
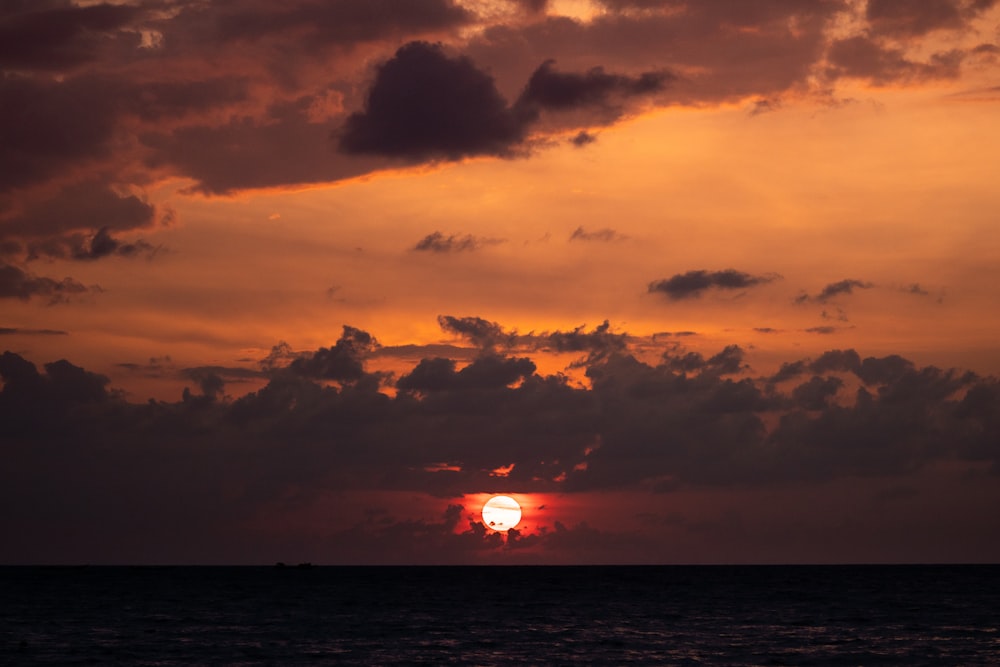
pixel 693 283
pixel 864 58
pixel 561 91
pixel 16 283
pixel 604 235
pixel 439 243
pixel 340 22
pixel 837 289
pixel 344 361
pixel 102 244
pixel 48 127
pixel 15 331
pixel 489 371
pixel 425 104
pixel 48 221
pixel 480 332
pixel 209 462
pixel 116 89
pixel 817 393
pixel 913 18
pixel 60 36
pixel 599 342
pixel 727 362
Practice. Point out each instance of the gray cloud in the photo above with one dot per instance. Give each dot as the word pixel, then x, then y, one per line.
pixel 693 283
pixel 439 243
pixel 865 58
pixel 605 235
pixel 15 283
pixel 833 290
pixel 59 36
pixel 911 18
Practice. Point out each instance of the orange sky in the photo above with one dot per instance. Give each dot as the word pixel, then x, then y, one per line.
pixel 191 184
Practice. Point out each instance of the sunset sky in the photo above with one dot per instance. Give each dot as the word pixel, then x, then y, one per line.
pixel 695 281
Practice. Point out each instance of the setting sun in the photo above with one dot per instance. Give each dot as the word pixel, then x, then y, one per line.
pixel 501 513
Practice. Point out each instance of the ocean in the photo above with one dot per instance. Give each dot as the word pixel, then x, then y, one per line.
pixel 496 615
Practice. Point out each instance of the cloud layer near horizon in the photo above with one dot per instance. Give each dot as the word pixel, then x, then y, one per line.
pixel 77 452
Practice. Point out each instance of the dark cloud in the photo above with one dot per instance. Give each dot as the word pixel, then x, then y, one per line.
pixel 693 283
pixel 605 235
pixel 832 290
pixel 582 138
pixel 726 50
pixel 286 146
pixel 60 36
pixel 85 205
pixel 339 21
pixel 911 18
pixel 438 242
pixel 561 91
pixel 865 58
pixel 599 342
pixel 16 283
pixel 489 371
pixel 837 360
pixel 62 386
pixel 763 106
pixel 533 6
pixel 788 371
pixel 727 362
pixel 102 244
pixel 825 330
pixel 425 104
pixel 14 331
pixel 480 332
pixel 343 362
pixel 47 127
pixel 817 393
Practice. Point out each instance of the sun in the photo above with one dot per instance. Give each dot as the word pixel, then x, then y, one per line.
pixel 501 513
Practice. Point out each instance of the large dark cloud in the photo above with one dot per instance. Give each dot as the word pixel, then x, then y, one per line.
pixel 425 104
pixel 693 283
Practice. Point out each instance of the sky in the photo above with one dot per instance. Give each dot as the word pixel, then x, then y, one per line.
pixel 693 281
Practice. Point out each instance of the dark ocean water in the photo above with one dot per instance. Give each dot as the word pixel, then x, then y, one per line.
pixel 675 615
